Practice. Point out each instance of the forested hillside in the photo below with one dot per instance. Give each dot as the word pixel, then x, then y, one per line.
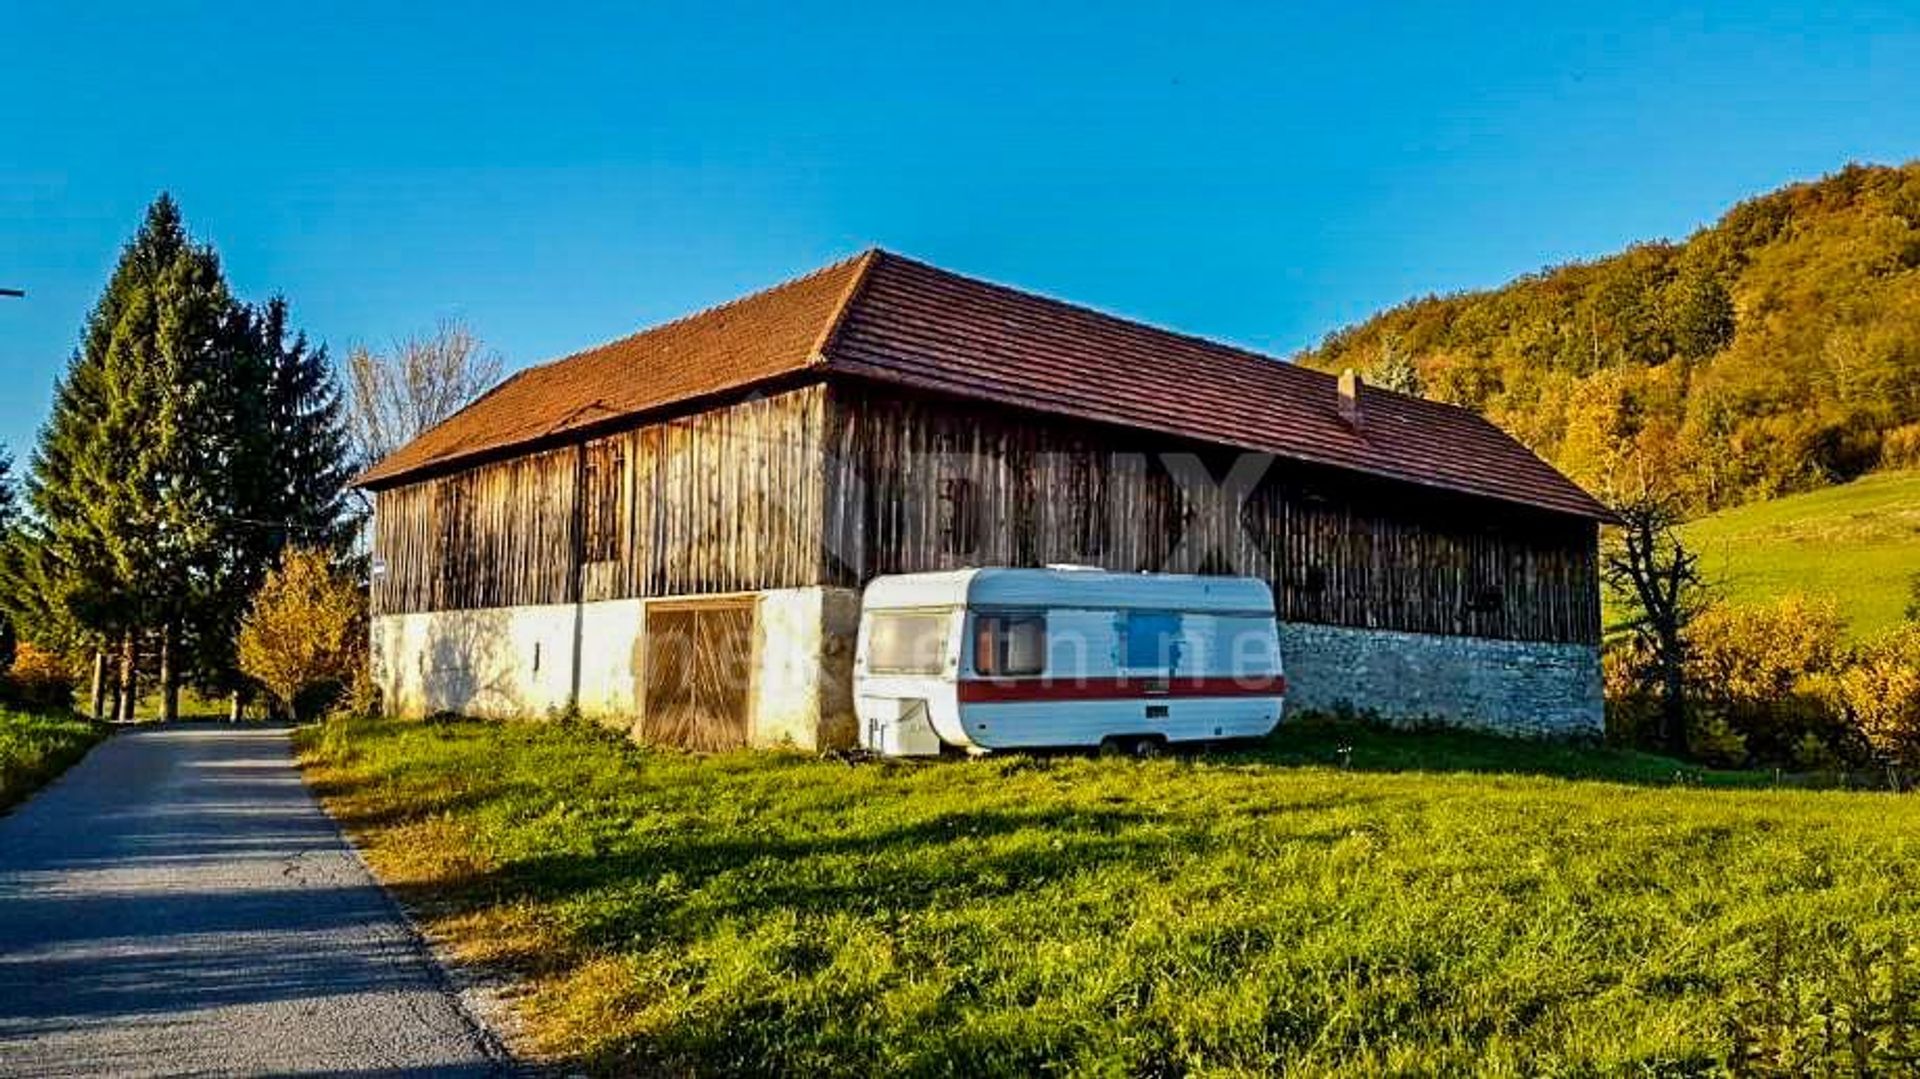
pixel 1777 350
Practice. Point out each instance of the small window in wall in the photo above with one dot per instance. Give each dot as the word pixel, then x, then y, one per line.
pixel 1152 640
pixel 1009 644
pixel 908 642
pixel 605 490
pixel 959 515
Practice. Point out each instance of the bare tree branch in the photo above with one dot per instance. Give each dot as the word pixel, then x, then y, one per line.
pixel 1649 567
pixel 393 397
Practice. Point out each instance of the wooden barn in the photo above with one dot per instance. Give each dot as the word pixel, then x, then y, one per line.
pixel 670 532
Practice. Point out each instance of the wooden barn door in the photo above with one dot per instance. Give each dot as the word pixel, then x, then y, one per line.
pixel 699 671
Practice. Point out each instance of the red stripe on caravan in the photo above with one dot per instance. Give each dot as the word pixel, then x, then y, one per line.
pixel 1004 691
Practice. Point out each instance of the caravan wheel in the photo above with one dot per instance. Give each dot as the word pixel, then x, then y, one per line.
pixel 1113 746
pixel 1150 747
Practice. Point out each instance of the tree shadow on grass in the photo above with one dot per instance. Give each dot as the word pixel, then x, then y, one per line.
pixel 1364 747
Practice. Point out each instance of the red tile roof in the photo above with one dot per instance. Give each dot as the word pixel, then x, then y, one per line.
pixel 729 347
pixel 886 317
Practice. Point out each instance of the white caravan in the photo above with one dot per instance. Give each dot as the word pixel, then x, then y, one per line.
pixel 984 659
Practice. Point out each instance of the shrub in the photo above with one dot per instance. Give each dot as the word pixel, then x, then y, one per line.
pixel 1764 674
pixel 1712 740
pixel 363 693
pixel 1880 691
pixel 1901 447
pixel 304 636
pixel 1753 653
pixel 39 679
pixel 1633 713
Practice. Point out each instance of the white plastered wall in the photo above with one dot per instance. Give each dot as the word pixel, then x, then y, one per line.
pixel 518 663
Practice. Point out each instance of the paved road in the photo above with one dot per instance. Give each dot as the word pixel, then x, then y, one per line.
pixel 179 904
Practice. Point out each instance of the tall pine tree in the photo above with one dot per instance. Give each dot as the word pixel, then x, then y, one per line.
pixel 124 483
pixel 191 437
pixel 300 445
pixel 287 466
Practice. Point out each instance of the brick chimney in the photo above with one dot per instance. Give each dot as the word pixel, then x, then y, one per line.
pixel 1350 397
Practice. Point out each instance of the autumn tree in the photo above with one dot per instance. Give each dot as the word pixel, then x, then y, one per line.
pixel 1394 369
pixel 1773 351
pixel 306 629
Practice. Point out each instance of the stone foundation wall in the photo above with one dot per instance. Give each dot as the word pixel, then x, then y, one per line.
pixel 1523 688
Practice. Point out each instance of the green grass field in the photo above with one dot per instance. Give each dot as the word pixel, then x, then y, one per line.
pixel 1437 905
pixel 35 747
pixel 1858 544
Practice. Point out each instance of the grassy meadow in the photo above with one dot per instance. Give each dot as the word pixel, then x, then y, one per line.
pixel 1858 544
pixel 36 746
pixel 1336 900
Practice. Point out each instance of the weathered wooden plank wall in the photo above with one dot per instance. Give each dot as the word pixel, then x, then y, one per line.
pixel 916 484
pixel 835 485
pixel 720 501
pixel 499 535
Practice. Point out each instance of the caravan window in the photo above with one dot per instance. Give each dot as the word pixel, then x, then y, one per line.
pixel 1009 644
pixel 1152 640
pixel 908 642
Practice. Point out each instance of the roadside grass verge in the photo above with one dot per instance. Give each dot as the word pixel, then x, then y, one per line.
pixel 1238 913
pixel 36 746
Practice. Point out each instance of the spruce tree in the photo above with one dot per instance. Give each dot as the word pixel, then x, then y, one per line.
pixel 304 457
pixel 191 438
pixel 287 467
pixel 125 483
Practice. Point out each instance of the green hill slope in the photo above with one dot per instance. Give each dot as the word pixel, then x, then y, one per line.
pixel 1858 543
pixel 1777 350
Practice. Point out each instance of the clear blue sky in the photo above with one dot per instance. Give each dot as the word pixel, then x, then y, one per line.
pixel 562 175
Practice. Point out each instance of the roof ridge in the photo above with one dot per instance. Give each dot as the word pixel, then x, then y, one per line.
pixel 877 314
pixel 1282 362
pixel 1109 316
pixel 710 309
pixel 1044 322
pixel 817 356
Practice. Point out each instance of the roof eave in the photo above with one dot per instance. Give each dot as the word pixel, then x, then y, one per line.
pixel 861 371
pixel 374 480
